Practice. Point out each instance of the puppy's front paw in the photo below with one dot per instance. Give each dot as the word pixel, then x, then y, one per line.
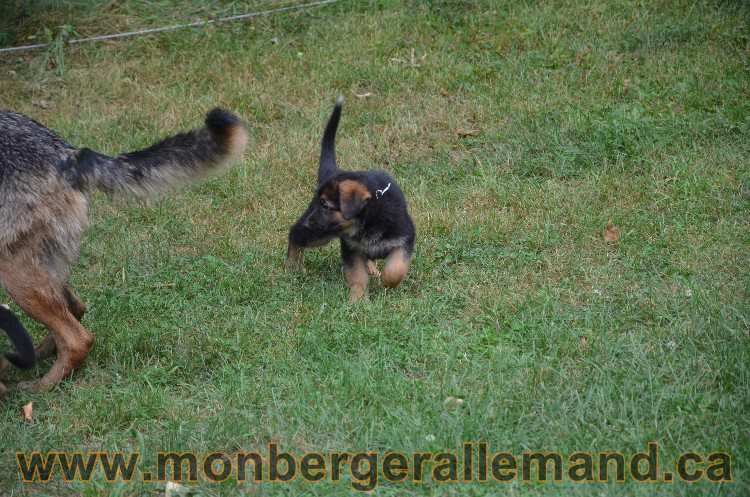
pixel 357 295
pixel 295 258
pixel 372 268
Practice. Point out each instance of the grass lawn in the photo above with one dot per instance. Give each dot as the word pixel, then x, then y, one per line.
pixel 517 130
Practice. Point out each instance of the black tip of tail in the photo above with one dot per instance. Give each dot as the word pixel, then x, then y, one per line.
pixel 25 358
pixel 220 121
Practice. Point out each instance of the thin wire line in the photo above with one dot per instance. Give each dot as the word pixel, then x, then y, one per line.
pixel 175 26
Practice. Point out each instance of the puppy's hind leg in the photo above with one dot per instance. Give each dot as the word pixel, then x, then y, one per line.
pixel 397 265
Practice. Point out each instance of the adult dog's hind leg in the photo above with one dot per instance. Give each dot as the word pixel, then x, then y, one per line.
pixel 75 304
pixel 46 348
pixel 44 300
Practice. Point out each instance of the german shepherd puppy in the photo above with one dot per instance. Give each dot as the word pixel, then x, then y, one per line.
pixel 366 210
pixel 44 182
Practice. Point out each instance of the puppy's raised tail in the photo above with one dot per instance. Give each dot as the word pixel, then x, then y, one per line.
pixel 171 163
pixel 327 168
pixel 24 357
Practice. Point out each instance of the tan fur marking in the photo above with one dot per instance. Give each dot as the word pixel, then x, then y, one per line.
pixel 357 279
pixel 396 267
pixel 352 197
pixel 236 141
pixel 344 224
pixel 349 189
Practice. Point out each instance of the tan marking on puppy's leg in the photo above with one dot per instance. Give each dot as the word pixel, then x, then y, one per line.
pixel 396 266
pixel 372 268
pixel 357 279
pixel 4 365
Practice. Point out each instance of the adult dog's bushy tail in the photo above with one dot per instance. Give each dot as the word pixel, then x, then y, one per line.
pixel 25 357
pixel 173 162
pixel 327 168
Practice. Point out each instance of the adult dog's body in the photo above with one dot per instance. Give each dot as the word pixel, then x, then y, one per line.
pixel 366 210
pixel 44 183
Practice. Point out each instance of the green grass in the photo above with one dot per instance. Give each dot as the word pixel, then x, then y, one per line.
pixel 634 112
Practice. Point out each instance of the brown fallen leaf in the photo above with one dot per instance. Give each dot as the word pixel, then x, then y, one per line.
pixel 445 93
pixel 611 234
pixel 28 412
pixel 367 94
pixel 582 344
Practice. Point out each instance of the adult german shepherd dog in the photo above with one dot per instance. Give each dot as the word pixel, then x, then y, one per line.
pixel 44 182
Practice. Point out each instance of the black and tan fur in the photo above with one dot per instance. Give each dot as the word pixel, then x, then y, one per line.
pixel 366 210
pixel 44 182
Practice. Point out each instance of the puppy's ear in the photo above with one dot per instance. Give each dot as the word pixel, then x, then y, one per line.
pixel 353 196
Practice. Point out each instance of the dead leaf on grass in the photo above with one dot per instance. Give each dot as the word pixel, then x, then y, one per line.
pixel 611 234
pixel 28 412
